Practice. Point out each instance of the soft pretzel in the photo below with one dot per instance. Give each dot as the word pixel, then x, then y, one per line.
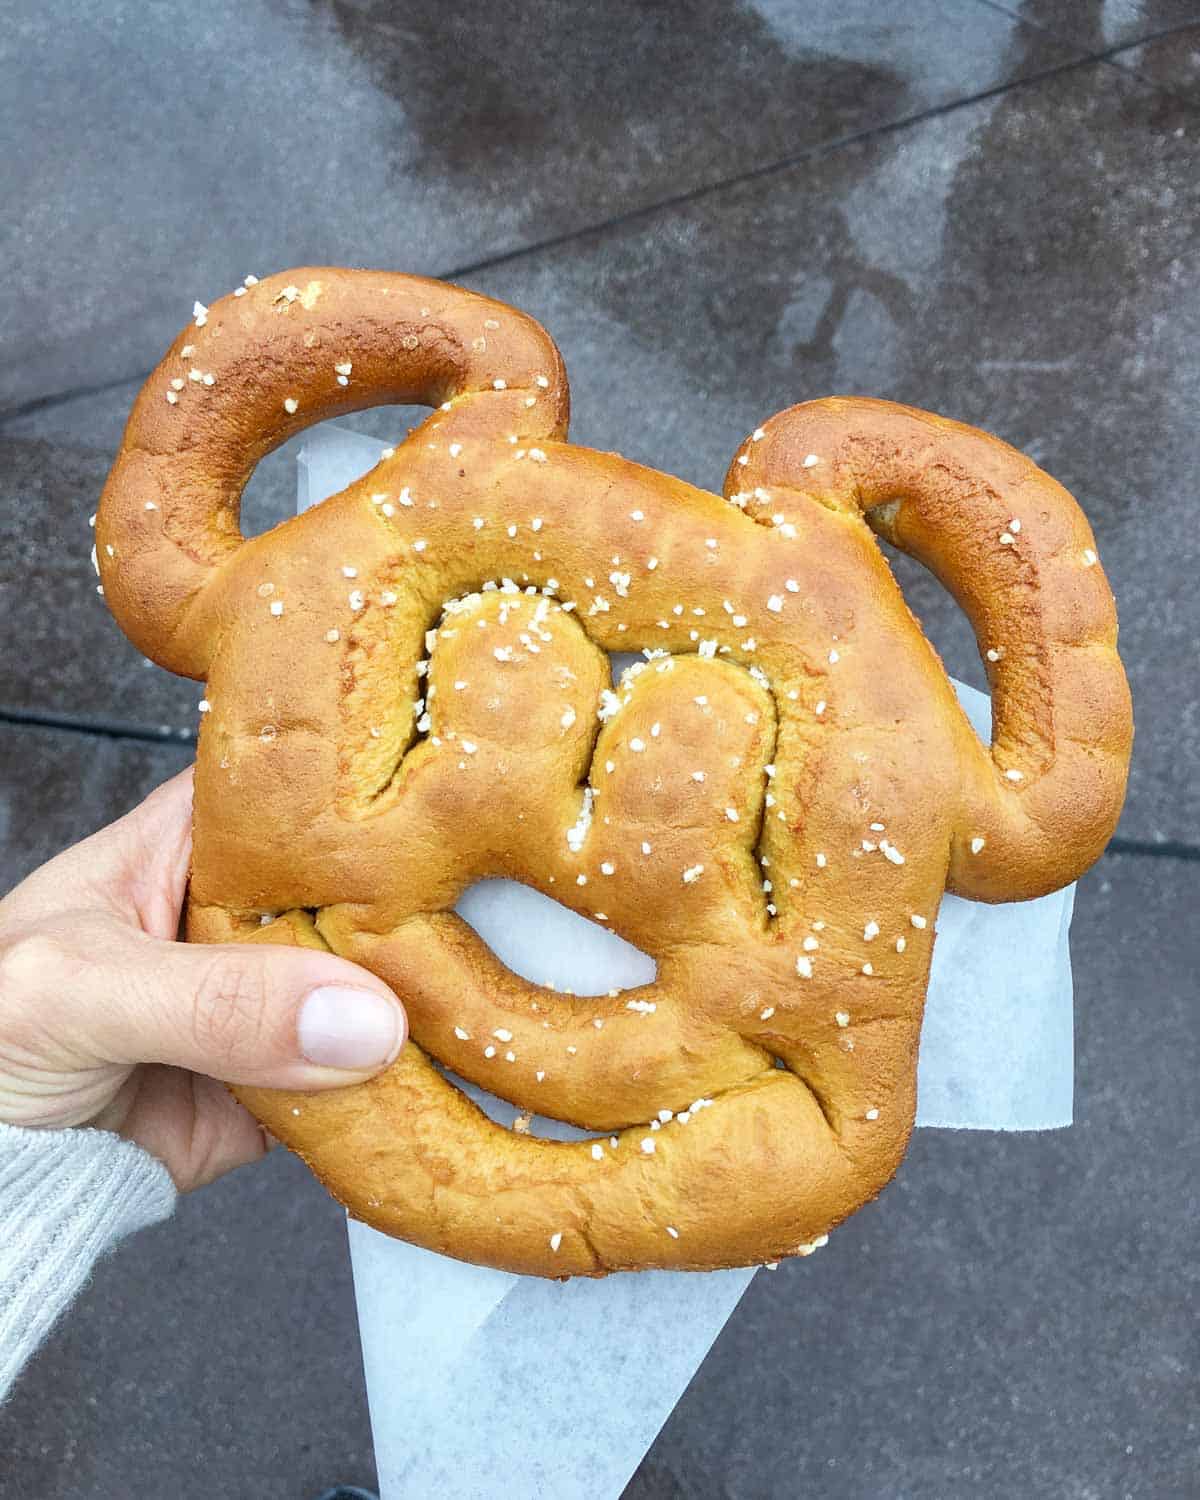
pixel 409 692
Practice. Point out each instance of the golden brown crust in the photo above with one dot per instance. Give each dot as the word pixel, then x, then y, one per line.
pixel 771 807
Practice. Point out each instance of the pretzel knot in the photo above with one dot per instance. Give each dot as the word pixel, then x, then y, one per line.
pixel 409 692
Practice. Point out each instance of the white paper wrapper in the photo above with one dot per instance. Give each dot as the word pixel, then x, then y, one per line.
pixel 484 1384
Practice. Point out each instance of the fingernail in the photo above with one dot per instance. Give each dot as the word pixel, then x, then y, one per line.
pixel 356 1029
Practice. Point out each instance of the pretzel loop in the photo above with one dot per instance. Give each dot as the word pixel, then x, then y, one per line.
pixel 255 370
pixel 1016 552
pixel 409 692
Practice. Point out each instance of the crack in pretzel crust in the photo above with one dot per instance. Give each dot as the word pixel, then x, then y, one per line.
pixel 409 692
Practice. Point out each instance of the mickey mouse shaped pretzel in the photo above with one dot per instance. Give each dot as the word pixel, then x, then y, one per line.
pixel 409 691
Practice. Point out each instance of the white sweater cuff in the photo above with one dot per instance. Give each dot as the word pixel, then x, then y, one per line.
pixel 66 1197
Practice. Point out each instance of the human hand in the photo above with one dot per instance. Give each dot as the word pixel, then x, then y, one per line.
pixel 106 1020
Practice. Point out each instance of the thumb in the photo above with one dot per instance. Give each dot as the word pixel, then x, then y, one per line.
pixel 250 1013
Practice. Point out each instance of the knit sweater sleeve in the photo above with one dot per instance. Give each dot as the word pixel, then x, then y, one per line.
pixel 66 1198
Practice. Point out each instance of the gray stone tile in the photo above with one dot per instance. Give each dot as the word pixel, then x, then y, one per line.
pixel 1026 263
pixel 68 655
pixel 1097 25
pixel 56 787
pixel 158 155
pixel 1016 1315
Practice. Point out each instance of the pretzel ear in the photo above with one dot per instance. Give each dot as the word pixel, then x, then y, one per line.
pixel 256 368
pixel 1016 552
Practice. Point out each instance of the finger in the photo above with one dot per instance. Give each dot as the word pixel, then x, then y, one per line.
pixel 154 848
pixel 218 1134
pixel 278 1017
pixel 135 868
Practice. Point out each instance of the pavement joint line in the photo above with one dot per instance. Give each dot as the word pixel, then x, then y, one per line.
pixel 675 200
pixel 75 393
pixel 1113 55
pixel 768 169
pixel 112 729
pixel 1154 848
pixel 22 718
